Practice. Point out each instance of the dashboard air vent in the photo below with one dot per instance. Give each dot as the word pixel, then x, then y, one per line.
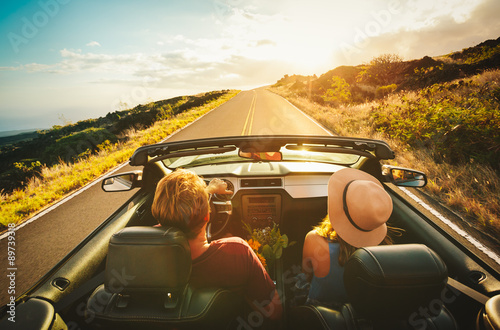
pixel 259 183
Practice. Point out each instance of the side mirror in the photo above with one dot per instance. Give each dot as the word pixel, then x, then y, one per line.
pixel 122 182
pixel 404 177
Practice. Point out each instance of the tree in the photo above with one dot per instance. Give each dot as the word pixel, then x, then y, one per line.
pixel 338 92
pixel 382 70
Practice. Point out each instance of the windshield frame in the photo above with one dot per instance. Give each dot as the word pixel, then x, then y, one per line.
pixel 368 148
pixel 343 156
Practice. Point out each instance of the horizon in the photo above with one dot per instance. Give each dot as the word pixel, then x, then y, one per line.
pixel 20 131
pixel 69 60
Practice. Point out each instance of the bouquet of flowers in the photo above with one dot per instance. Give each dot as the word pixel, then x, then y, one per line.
pixel 267 243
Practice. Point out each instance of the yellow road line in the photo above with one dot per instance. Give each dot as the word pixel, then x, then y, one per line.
pixel 253 115
pixel 250 116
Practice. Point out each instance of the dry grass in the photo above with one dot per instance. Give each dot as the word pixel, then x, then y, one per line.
pixel 473 190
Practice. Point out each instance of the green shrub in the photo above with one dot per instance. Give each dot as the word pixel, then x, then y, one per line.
pixel 20 174
pixel 383 91
pixel 339 91
pixel 458 121
pixel 77 145
pixel 382 70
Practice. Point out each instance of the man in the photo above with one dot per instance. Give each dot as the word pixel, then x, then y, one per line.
pixel 182 201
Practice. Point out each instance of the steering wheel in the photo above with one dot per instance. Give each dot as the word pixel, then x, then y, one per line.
pixel 220 212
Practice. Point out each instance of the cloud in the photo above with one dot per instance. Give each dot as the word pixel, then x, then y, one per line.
pixel 265 42
pixel 11 68
pixel 187 68
pixel 93 44
pixel 30 67
pixel 431 29
pixel 235 72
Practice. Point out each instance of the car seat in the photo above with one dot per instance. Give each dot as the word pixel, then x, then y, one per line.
pixel 389 287
pixel 147 286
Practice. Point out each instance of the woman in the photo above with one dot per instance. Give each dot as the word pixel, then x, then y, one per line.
pixel 358 209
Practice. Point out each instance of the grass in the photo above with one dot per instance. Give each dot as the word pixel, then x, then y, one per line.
pixel 59 180
pixel 468 184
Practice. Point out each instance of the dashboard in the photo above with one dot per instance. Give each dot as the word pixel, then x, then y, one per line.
pixel 267 192
pixel 261 199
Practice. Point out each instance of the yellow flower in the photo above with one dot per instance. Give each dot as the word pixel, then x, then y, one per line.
pixel 255 245
pixel 262 259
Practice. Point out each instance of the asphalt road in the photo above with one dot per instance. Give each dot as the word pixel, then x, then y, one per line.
pixel 254 112
pixel 41 243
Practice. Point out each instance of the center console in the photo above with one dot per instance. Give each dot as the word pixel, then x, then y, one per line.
pixel 261 211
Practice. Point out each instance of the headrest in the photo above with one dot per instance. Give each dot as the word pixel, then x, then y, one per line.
pixel 147 259
pixel 393 280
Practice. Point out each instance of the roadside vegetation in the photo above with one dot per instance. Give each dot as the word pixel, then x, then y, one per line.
pixel 442 116
pixel 81 152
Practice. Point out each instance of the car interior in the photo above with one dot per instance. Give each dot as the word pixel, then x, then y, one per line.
pixel 129 274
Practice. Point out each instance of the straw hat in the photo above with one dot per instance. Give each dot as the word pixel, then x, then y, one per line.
pixel 358 207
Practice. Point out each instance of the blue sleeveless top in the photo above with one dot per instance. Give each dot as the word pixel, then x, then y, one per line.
pixel 329 290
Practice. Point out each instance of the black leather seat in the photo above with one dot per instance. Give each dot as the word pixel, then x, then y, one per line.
pixel 147 286
pixel 389 287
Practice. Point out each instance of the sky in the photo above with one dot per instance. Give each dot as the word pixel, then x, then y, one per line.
pixel 62 61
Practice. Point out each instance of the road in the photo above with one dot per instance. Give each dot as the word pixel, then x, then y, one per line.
pixel 40 244
pixel 255 112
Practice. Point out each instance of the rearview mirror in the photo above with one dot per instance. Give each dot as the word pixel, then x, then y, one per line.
pixel 269 155
pixel 122 182
pixel 404 177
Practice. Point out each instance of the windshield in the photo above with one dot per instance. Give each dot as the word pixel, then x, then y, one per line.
pixel 287 155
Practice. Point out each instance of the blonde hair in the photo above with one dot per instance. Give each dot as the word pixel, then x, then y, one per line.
pixel 325 229
pixel 181 200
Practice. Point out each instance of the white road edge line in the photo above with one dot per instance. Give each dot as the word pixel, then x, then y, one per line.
pixel 312 119
pixel 64 200
pixel 453 226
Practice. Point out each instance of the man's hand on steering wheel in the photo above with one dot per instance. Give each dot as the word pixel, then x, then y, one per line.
pixel 218 186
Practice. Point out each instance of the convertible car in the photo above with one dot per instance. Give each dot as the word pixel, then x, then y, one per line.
pixel 129 273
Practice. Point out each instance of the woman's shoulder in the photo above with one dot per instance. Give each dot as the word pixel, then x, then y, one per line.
pixel 313 236
pixel 313 240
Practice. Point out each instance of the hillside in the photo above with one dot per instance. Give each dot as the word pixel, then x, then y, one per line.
pixel 388 73
pixel 441 115
pixel 22 157
pixel 457 115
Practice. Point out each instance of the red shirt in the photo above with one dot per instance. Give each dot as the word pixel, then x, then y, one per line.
pixel 231 263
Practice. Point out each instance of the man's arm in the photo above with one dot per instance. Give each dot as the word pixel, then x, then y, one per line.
pixel 274 309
